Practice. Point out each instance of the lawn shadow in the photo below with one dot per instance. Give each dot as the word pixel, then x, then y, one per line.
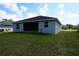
pixel 30 33
pixel 33 33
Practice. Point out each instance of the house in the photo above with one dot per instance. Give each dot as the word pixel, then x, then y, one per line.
pixel 41 24
pixel 77 27
pixel 6 26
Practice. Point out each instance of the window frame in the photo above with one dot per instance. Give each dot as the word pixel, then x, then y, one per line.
pixel 17 26
pixel 46 24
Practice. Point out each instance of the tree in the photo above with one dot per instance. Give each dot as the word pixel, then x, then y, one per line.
pixel 7 22
pixel 70 26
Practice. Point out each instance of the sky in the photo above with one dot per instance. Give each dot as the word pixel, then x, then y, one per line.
pixel 67 13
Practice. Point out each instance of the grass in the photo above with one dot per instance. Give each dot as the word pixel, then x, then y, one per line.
pixel 34 44
pixel 69 30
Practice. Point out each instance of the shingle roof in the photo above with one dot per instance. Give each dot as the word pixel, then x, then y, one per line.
pixel 39 18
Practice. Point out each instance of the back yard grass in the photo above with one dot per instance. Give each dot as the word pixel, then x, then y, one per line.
pixel 34 44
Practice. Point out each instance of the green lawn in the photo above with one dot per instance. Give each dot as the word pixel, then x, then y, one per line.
pixel 33 44
pixel 69 30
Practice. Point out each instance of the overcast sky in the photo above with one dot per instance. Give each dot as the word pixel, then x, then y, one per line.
pixel 66 13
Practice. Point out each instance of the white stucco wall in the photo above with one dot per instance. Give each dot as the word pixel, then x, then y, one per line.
pixel 57 27
pixel 7 29
pixel 53 27
pixel 18 30
pixel 50 29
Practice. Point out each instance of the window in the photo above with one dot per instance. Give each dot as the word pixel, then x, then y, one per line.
pixel 6 29
pixel 46 24
pixel 17 26
pixel 1 30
